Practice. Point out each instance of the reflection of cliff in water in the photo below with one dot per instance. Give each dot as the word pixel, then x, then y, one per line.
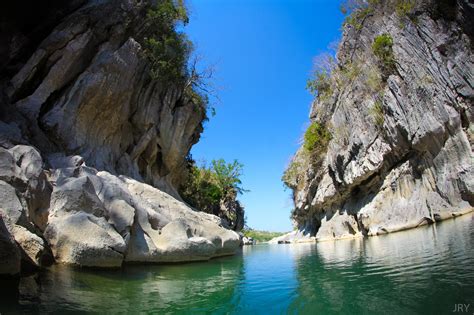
pixel 162 288
pixel 392 272
pixel 424 270
pixel 269 280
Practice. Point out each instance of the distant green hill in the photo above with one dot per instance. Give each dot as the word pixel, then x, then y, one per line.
pixel 261 236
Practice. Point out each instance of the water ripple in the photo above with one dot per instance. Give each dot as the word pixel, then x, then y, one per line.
pixel 426 270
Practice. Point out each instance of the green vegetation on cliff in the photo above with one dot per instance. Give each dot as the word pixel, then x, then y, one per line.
pixel 357 11
pixel 316 141
pixel 207 185
pixel 292 174
pixel 404 7
pixel 356 19
pixel 316 138
pixel 169 53
pixel 382 48
pixel 377 113
pixel 319 84
pixel 167 49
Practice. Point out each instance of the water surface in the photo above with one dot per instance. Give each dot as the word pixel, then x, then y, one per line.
pixel 422 271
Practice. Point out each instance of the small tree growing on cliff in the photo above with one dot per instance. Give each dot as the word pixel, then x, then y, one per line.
pixel 405 7
pixel 166 49
pixel 169 54
pixel 319 84
pixel 316 138
pixel 357 11
pixel 382 48
pixel 228 176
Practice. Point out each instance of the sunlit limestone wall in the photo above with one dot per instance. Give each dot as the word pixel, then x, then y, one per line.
pixel 400 123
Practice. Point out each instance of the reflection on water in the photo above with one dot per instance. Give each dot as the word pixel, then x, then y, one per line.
pixel 426 270
pixel 194 287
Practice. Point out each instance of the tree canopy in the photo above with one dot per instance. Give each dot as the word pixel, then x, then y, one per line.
pixel 209 185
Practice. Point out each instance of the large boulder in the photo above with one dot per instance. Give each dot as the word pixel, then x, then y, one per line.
pixel 172 231
pixel 35 253
pixel 86 240
pixel 10 256
pixel 12 209
pixel 38 189
pixel 24 187
pixel 77 229
pixel 98 219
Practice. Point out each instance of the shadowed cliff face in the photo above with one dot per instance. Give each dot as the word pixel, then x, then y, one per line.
pixel 400 152
pixel 78 76
pixel 24 24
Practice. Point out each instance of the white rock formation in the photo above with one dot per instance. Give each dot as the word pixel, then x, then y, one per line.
pixel 409 161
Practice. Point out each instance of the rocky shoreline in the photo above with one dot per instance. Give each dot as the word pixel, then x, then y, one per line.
pixel 297 236
pixel 96 219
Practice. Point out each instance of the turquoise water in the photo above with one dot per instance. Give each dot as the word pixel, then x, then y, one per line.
pixel 422 271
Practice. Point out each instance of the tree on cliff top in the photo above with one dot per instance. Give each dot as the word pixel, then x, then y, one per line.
pixel 167 49
pixel 169 53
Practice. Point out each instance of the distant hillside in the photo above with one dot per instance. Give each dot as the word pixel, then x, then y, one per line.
pixel 261 236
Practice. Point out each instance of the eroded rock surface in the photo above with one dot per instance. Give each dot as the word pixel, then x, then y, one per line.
pixel 92 148
pixel 414 164
pixel 85 90
pixel 98 219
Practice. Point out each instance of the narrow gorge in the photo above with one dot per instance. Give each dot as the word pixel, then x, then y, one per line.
pixel 123 192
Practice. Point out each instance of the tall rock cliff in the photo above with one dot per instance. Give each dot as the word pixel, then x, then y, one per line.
pixel 85 89
pixel 390 141
pixel 92 145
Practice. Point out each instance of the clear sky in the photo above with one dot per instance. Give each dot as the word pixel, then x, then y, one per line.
pixel 262 51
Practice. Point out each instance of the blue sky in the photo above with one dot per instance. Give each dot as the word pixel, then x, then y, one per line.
pixel 262 52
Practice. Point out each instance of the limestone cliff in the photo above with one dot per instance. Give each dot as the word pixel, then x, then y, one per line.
pixel 85 89
pixel 92 146
pixel 393 127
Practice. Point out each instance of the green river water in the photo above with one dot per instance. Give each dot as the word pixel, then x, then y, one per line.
pixel 429 270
